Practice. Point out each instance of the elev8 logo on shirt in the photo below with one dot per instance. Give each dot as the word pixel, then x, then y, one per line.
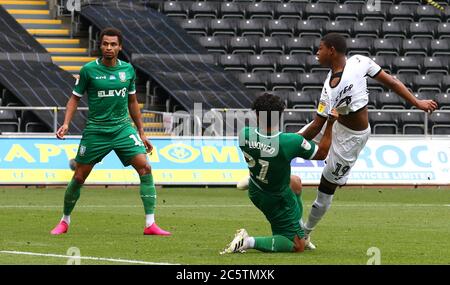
pixel 111 93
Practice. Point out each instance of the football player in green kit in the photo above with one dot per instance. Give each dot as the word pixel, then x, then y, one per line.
pixel 111 93
pixel 268 153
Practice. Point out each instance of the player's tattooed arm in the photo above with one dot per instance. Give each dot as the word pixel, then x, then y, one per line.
pixel 71 108
pixel 398 87
pixel 135 113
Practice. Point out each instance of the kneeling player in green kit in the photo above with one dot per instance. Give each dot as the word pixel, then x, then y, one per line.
pixel 110 87
pixel 268 153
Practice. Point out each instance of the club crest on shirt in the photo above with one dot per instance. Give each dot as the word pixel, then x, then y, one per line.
pixel 122 76
pixel 82 150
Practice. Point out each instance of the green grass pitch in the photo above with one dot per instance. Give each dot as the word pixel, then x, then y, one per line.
pixel 409 226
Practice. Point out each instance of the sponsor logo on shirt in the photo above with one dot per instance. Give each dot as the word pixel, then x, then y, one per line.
pixel 111 93
pixel 112 77
pixel 100 77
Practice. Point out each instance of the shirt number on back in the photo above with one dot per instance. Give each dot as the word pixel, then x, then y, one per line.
pixel 264 167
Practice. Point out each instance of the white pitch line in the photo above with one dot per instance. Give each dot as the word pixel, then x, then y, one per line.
pixel 85 257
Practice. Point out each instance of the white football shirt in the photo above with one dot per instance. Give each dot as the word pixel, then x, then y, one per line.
pixel 350 94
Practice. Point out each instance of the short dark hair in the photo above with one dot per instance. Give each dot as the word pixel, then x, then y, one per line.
pixel 268 103
pixel 337 41
pixel 111 32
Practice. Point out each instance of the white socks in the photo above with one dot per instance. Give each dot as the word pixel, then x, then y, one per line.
pixel 149 220
pixel 249 242
pixel 318 209
pixel 66 219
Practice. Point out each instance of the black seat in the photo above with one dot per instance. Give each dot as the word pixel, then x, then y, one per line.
pixel 412 123
pixel 440 47
pixel 9 122
pixel 289 11
pixel 217 44
pixel 419 46
pixel 440 123
pixel 390 100
pixel 306 81
pixel 293 121
pixel 402 12
pixel 443 31
pixel 232 10
pixel 346 12
pixel 318 11
pixel 261 63
pixel 282 81
pixel 395 29
pixel 195 26
pixel 313 65
pixel 387 46
pixel 249 27
pixel 428 13
pixel 423 29
pixel 310 27
pixel 411 64
pixel 270 45
pixel 299 45
pixel 343 27
pixel 407 79
pixel 369 12
pixel 259 10
pixel 243 44
pixel 367 29
pixel 204 9
pixel 296 62
pixel 385 62
pixel 281 27
pixel 359 46
pixel 234 62
pixel 428 82
pixel 443 100
pixel 383 123
pixel 438 64
pixel 254 80
pixel 223 27
pixel 445 86
pixel 303 99
pixel 176 9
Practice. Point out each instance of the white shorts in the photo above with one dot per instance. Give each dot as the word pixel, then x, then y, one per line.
pixel 345 147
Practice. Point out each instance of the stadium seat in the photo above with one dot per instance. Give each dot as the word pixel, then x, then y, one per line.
pixel 401 12
pixel 223 27
pixel 282 81
pixel 343 27
pixel 368 13
pixel 176 9
pixel 232 10
pixel 422 29
pixel 303 99
pixel 299 45
pixel 440 123
pixel 306 81
pixel 410 64
pixel 270 45
pixel 440 47
pixel 373 96
pixel 195 26
pixel 428 13
pixel 310 27
pixel 293 121
pixel 367 29
pixel 359 46
pixel 249 27
pixel 412 123
pixel 387 46
pixel 318 11
pixel 346 12
pixel 217 44
pixel 385 62
pixel 237 62
pixel 254 80
pixel 284 27
pixel 259 10
pixel 243 44
pixel 445 85
pixel 8 127
pixel 261 62
pixel 206 9
pixel 9 122
pixel 407 79
pixel 383 123
pixel 443 100
pixel 313 65
pixel 289 11
pixel 443 31
pixel 374 85
pixel 438 64
pixel 294 62
pixel 416 46
pixel 390 100
pixel 431 82
pixel 395 29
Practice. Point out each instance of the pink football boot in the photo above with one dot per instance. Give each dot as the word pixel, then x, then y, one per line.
pixel 155 230
pixel 60 228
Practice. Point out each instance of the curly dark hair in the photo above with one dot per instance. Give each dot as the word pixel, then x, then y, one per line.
pixel 266 104
pixel 335 40
pixel 111 32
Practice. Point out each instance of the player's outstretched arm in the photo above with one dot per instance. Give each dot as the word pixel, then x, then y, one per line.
pixel 325 142
pixel 135 113
pixel 71 108
pixel 314 128
pixel 393 83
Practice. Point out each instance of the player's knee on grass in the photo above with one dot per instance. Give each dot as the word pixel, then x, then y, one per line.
pixel 296 184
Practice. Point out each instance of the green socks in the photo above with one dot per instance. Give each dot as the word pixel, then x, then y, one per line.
pixel 71 196
pixel 148 193
pixel 274 244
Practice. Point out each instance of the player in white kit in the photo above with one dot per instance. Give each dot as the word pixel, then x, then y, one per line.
pixel 345 89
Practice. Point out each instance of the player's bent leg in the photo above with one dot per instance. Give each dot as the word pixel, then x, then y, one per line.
pixel 71 196
pixel 148 194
